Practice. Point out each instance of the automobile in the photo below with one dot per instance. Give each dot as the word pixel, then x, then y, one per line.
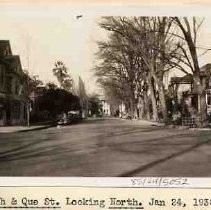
pixel 127 116
pixel 69 118
pixel 64 120
pixel 74 115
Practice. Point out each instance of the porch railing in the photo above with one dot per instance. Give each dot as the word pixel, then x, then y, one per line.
pixel 191 121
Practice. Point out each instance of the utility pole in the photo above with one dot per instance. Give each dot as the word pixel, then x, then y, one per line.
pixel 28 113
pixel 28 106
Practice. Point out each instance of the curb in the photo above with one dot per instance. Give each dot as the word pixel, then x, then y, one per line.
pixel 34 129
pixel 147 122
pixel 179 127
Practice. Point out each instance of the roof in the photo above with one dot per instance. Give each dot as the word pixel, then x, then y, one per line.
pixel 187 79
pixel 5 45
pixel 206 67
pixel 13 58
pixel 205 70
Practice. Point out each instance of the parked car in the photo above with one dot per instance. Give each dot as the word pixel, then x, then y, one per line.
pixel 74 115
pixel 64 120
pixel 127 116
pixel 70 117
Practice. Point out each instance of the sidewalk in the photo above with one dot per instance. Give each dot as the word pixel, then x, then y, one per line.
pixel 145 122
pixel 171 126
pixel 13 129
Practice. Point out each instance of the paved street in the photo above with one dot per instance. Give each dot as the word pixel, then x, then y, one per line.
pixel 106 147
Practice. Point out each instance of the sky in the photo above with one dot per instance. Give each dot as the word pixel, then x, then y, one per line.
pixel 42 34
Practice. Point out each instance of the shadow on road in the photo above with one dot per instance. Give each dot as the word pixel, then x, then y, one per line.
pixel 159 161
pixel 13 154
pixel 94 120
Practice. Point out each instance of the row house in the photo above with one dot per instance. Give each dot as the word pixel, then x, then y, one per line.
pixel 13 87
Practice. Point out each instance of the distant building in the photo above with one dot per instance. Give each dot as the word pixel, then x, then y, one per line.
pixel 122 110
pixel 13 87
pixel 106 106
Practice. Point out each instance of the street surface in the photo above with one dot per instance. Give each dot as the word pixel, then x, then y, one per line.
pixel 106 147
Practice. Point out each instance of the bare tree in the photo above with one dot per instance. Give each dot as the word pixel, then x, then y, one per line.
pixel 149 42
pixel 189 28
pixel 119 67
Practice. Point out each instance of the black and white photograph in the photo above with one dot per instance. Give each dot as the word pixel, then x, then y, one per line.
pixel 105 91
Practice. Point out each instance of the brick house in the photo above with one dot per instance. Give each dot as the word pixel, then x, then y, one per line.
pixel 13 87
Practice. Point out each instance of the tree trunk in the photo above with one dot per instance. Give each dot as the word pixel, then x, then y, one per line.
pixel 175 99
pixel 146 107
pixel 204 119
pixel 141 108
pixel 153 100
pixel 200 87
pixel 131 107
pixel 163 104
pixel 162 98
